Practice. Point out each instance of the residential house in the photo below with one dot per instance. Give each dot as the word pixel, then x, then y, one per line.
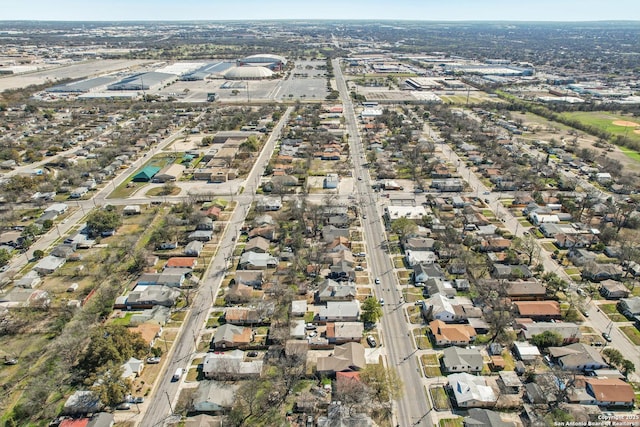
pixel 439 307
pixel 232 336
pixel 31 280
pixel 330 290
pixel 193 248
pixel 446 334
pixel 630 307
pixel 530 290
pixel 419 244
pixel 570 332
pixel 257 261
pixel 610 392
pixel 329 233
pixel 142 297
pixel 500 271
pixel 485 418
pixel 230 365
pixel 347 357
pixel 597 272
pixel 205 223
pixel 257 244
pixel 346 311
pixel 437 285
pixel 266 231
pixel 525 351
pixel 343 332
pixel 297 329
pixel 131 210
pixel 580 256
pixel 298 308
pixel 471 391
pixel 456 359
pixel 169 278
pixel 510 382
pixel 538 310
pixel 253 278
pixel 338 244
pixel 243 316
pixel 611 289
pixel 49 264
pixel 132 368
pixel 422 272
pixel 182 262
pixel 200 235
pixel 420 257
pixel 578 357
pixel 495 245
pixel 213 397
pixel 82 402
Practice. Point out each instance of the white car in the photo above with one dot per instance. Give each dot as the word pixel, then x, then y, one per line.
pixel 377 280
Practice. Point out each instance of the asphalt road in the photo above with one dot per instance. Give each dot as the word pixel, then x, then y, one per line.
pixel 412 409
pixel 180 355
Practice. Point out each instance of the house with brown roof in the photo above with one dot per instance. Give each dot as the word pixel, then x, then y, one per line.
pixel 182 262
pixel 538 310
pixel 257 244
pixel 242 316
pixel 610 392
pixel 448 334
pixel 495 245
pixel 345 358
pixel 340 243
pixel 529 290
pixel 231 336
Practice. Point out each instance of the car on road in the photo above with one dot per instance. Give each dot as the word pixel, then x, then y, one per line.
pixel 359 178
pixel 153 360
pixel 585 313
pixel 381 301
pixel 364 217
pixel 486 193
pixel 371 341
pixel 377 280
pixel 606 336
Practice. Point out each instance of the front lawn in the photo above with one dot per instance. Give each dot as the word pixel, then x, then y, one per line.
pixel 439 398
pixel 632 333
pixel 451 422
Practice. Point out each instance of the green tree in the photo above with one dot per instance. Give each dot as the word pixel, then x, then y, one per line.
pixel 384 384
pixel 371 310
pixel 38 254
pixel 111 343
pixel 613 355
pixel 547 339
pixel 100 220
pixel 5 256
pixel 627 367
pixel 402 227
pixel 108 385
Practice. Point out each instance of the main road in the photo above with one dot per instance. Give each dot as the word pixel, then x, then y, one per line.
pixel 412 408
pixel 165 391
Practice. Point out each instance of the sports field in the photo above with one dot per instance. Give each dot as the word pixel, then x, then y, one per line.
pixel 614 124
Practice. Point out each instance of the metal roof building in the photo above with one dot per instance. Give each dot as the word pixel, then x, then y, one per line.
pixel 144 81
pixel 205 71
pixel 248 73
pixel 83 85
pixel 146 174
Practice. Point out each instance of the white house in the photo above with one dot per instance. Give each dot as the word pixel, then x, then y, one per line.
pixel 471 391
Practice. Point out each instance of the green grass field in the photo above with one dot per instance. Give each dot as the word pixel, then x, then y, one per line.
pixel 632 333
pixel 604 120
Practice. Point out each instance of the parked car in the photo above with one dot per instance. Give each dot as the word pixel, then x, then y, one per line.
pixel 138 399
pixel 123 406
pixel 381 301
pixel 153 360
pixel 377 280
pixel 371 341
pixel 310 326
pixel 606 336
pixel 252 354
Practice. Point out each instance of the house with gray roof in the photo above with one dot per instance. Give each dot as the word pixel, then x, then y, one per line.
pixel 630 307
pixel 148 297
pixel 214 397
pixel 438 285
pixel 456 359
pixel 422 272
pixel 200 235
pixel 345 358
pixel 257 261
pixel 330 290
pixel 570 332
pixel 49 264
pixel 253 278
pixel 485 418
pixel 335 311
pixel 578 357
pixel 193 248
pixel 257 244
pixel 230 365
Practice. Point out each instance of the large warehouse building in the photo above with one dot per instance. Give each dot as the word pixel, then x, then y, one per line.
pixel 208 70
pixel 83 86
pixel 272 62
pixel 144 81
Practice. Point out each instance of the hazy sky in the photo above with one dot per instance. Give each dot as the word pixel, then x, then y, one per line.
pixel 449 10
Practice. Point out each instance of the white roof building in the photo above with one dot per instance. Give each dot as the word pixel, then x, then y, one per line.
pixel 471 391
pixel 410 212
